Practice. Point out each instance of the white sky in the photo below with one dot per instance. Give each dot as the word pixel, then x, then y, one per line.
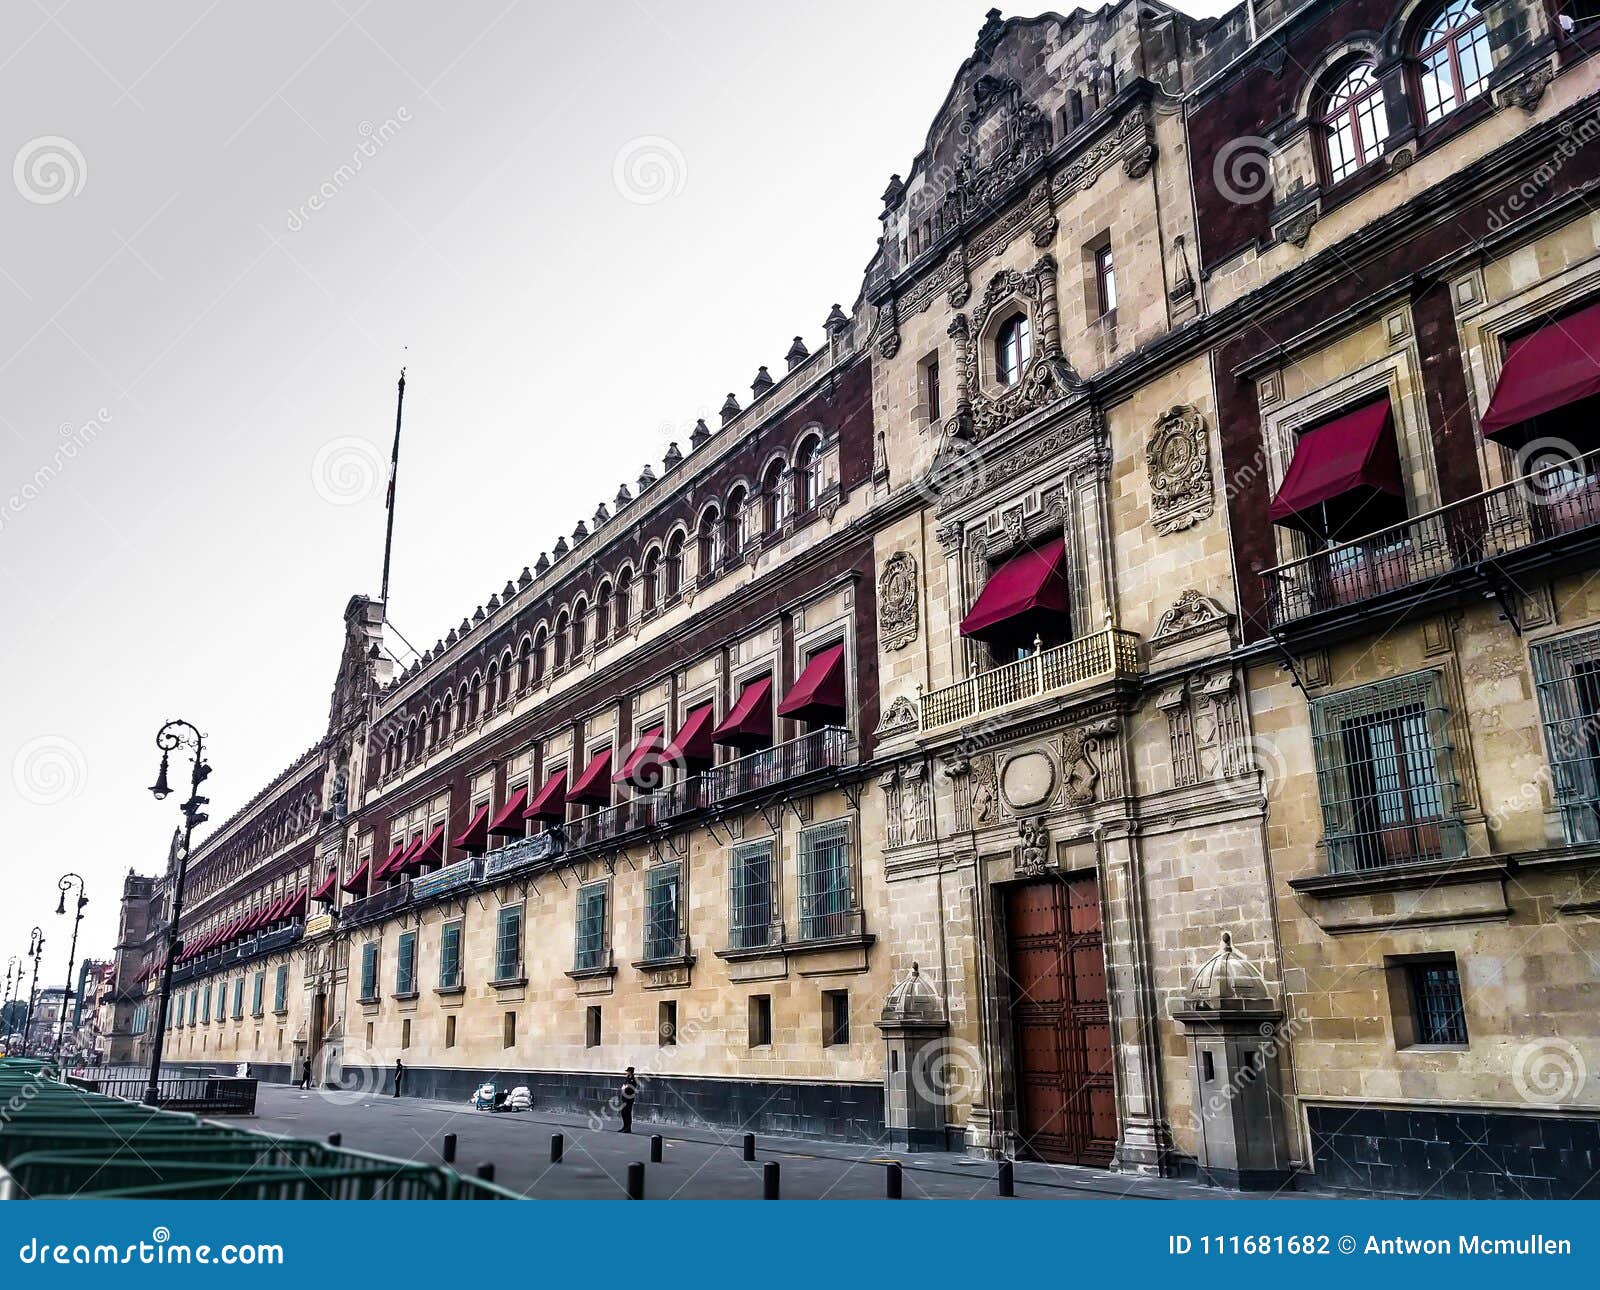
pixel 191 555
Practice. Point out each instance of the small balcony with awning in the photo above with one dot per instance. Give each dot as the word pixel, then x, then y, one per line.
pixel 1369 561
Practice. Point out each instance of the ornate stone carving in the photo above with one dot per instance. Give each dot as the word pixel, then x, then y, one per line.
pixel 1526 90
pixel 985 789
pixel 899 718
pixel 1192 614
pixel 1094 160
pixel 897 601
pixel 1297 228
pixel 1033 852
pixel 1081 763
pixel 1138 162
pixel 1178 456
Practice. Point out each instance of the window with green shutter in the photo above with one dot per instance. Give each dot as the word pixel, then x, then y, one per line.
pixel 369 970
pixel 662 930
pixel 591 930
pixel 280 989
pixel 508 944
pixel 405 968
pixel 256 993
pixel 205 1007
pixel 450 956
pixel 238 998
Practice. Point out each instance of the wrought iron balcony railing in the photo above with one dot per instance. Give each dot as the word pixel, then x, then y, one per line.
pixel 451 878
pixel 814 751
pixel 1540 507
pixel 1104 655
pixel 378 904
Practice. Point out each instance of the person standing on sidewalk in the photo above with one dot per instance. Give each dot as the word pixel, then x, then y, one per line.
pixel 305 1072
pixel 399 1076
pixel 630 1090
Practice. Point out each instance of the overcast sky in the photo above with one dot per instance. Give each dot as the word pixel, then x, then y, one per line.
pixel 227 227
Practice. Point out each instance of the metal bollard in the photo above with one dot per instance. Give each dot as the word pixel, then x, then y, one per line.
pixel 1003 1183
pixel 558 1145
pixel 655 1148
pixel 334 1139
pixel 769 1180
pixel 892 1180
pixel 448 1151
pixel 749 1146
pixel 486 1172
pixel 636 1180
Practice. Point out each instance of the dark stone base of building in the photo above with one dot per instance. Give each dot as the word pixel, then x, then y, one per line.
pixel 1455 1155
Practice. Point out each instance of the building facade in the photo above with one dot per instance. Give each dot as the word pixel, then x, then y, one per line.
pixel 1119 700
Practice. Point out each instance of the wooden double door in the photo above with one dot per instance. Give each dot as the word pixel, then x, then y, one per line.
pixel 1061 1020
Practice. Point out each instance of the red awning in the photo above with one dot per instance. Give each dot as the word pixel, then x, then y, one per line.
pixel 293 906
pixel 749 722
pixel 1025 595
pixel 475 837
pixel 692 747
pixel 643 767
pixel 1345 476
pixel 356 883
pixel 593 787
pixel 428 849
pixel 509 819
pixel 550 802
pixel 325 888
pixel 818 695
pixel 391 863
pixel 1546 370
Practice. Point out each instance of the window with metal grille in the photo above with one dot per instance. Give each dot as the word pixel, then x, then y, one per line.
pixel 508 944
pixel 591 930
pixel 450 956
pixel 1566 677
pixel 405 967
pixel 1437 1016
pixel 1384 774
pixel 661 911
pixel 369 970
pixel 280 989
pixel 827 894
pixel 238 998
pixel 751 898
pixel 205 1007
pixel 257 990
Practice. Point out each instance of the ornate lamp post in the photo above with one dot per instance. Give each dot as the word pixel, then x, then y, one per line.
pixel 173 735
pixel 35 952
pixel 65 884
pixel 13 979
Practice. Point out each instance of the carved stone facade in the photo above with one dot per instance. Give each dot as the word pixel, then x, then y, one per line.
pixel 1178 455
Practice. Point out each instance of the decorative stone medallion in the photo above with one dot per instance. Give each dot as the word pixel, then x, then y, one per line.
pixel 897 601
pixel 1179 461
pixel 1027 780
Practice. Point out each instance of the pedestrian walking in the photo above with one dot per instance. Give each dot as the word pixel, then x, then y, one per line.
pixel 305 1071
pixel 630 1090
pixel 399 1076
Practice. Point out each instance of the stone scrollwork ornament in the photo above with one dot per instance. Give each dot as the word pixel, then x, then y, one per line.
pixel 1033 852
pixel 899 718
pixel 1178 457
pixel 897 601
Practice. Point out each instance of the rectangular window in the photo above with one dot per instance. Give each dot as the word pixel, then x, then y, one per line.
pixel 1105 282
pixel 205 1008
pixel 835 1017
pixel 508 1031
pixel 450 1032
pixel 591 930
pixel 1433 996
pixel 369 1034
pixel 238 998
pixel 591 1026
pixel 827 894
pixel 661 912
pixel 667 1024
pixel 405 1033
pixel 450 956
pixel 1566 676
pixel 369 970
pixel 1384 774
pixel 280 989
pixel 508 944
pixel 258 990
pixel 760 1020
pixel 752 900
pixel 931 394
pixel 405 965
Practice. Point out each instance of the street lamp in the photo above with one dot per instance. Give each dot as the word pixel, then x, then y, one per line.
pixel 65 884
pixel 35 952
pixel 175 734
pixel 13 978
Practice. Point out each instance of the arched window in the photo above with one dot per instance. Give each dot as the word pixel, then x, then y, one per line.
pixel 503 692
pixel 1354 123
pixel 673 582
pixel 602 612
pixel 563 631
pixel 525 665
pixel 623 609
pixel 1454 60
pixel 463 707
pixel 650 581
pixel 707 536
pixel 580 625
pixel 438 722
pixel 1013 347
pixel 491 688
pixel 475 697
pixel 540 640
pixel 773 508
pixel 736 525
pixel 807 474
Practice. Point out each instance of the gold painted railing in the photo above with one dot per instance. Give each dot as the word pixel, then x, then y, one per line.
pixel 1099 656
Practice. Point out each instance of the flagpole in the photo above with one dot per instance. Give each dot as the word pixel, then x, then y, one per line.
pixel 394 470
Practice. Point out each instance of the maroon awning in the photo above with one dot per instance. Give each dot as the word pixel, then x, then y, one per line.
pixel 428 849
pixel 749 722
pixel 324 891
pixel 593 787
pixel 1544 371
pixel 356 883
pixel 293 906
pixel 1345 476
pixel 1023 597
pixel 642 769
pixel 475 837
pixel 509 819
pixel 550 802
pixel 391 863
pixel 818 693
pixel 692 747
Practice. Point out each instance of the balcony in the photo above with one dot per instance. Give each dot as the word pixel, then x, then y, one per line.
pixel 1538 524
pixel 452 877
pixel 524 853
pixel 377 905
pixel 819 750
pixel 597 828
pixel 1107 655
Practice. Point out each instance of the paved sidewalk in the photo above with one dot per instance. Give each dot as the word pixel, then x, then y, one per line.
pixel 698 1162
